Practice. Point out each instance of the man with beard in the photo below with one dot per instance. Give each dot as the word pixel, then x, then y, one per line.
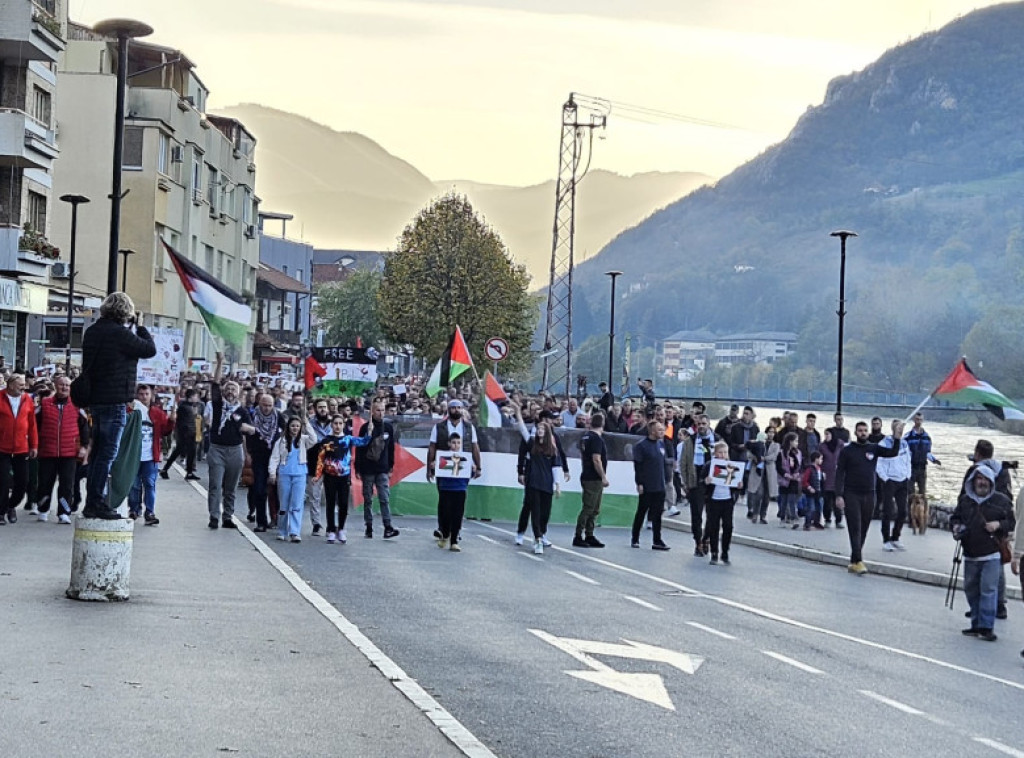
pixel 439 437
pixel 229 425
pixel 269 424
pixel 374 463
pixel 320 423
pixel 694 464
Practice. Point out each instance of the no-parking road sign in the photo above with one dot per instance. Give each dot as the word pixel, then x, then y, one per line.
pixel 496 349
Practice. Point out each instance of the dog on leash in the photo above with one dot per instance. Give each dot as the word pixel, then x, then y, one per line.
pixel 918 513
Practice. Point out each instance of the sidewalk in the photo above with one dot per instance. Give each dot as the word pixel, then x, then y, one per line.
pixel 215 654
pixel 928 558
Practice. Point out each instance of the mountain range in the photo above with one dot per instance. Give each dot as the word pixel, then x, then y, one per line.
pixel 346 191
pixel 922 155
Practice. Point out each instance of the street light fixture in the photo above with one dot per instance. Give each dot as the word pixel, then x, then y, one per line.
pixel 75 201
pixel 611 328
pixel 842 235
pixel 123 29
pixel 125 251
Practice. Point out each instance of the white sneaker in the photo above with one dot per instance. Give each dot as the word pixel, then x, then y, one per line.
pixel 545 541
pixel 538 548
pixel 32 509
pixel 649 526
pixel 64 518
pixel 43 517
pixel 342 537
pixel 898 545
pixel 519 538
pixel 888 547
pixel 330 536
pixel 673 511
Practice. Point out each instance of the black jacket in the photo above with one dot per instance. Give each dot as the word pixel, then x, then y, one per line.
pixel 652 464
pixel 855 471
pixel 739 436
pixel 386 462
pixel 970 516
pixel 110 355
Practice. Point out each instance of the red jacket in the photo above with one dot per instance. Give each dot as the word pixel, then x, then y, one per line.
pixel 58 430
pixel 18 434
pixel 162 426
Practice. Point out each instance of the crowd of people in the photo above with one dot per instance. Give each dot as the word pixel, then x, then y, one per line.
pixel 294 454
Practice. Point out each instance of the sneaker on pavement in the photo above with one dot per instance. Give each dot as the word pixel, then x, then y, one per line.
pixel 390 531
pixel 213 522
pixel 634 544
pixel 858 568
pixel 455 548
pixel 519 538
pixel 43 517
pixel 593 541
pixel 280 537
pixel 228 523
pixel 437 534
pixel 725 559
pixel 151 519
pixel 64 519
pixel 295 538
pixel 972 632
pixel 673 511
pixel 889 547
pixel 191 478
pixel 31 508
pixel 762 521
pixel 368 533
pixel 133 515
pixel 987 634
pixel 538 548
pixel 164 474
pixel 316 529
pixel 331 537
pixel 1001 612
pixel 660 546
pixel 897 545
pixel 714 560
pixel 578 541
pixel 839 526
pixel 442 543
pixel 342 537
pixel 545 541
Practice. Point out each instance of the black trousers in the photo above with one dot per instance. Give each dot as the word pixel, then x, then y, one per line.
pixel 62 472
pixel 720 518
pixel 894 508
pixel 257 494
pixel 649 506
pixel 184 447
pixel 451 506
pixel 537 510
pixel 919 477
pixel 696 498
pixel 859 506
pixel 829 508
pixel 336 489
pixel 13 480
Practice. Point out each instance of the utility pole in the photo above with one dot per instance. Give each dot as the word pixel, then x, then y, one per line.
pixel 577 141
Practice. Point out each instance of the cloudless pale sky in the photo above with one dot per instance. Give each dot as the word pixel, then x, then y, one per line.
pixel 472 89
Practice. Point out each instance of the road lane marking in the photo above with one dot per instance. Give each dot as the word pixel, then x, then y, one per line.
pixel 791 662
pixel 771 616
pixel 892 703
pixel 642 603
pixel 531 557
pixel 485 538
pixel 709 630
pixel 448 725
pixel 582 578
pixel 1000 747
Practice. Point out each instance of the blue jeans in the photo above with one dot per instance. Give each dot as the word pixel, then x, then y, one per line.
pixel 107 424
pixel 787 504
pixel 291 490
pixel 812 509
pixel 981 585
pixel 145 482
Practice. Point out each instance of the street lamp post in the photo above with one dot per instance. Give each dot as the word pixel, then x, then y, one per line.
pixel 611 329
pixel 123 29
pixel 75 201
pixel 842 235
pixel 125 251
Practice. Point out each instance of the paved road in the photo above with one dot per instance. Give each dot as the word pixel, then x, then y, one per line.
pixel 792 658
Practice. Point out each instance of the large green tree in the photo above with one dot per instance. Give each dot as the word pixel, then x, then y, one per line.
pixel 451 268
pixel 348 309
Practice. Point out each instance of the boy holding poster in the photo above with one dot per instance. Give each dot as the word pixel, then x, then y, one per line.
pixel 724 481
pixel 453 471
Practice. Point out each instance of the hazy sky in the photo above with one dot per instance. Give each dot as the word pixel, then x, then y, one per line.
pixel 472 89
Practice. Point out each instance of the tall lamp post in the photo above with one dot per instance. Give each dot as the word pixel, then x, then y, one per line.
pixel 123 29
pixel 75 201
pixel 611 329
pixel 125 251
pixel 842 235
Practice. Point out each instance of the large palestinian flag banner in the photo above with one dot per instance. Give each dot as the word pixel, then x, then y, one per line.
pixel 341 371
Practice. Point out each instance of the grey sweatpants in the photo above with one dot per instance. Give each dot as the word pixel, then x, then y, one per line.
pixel 225 465
pixel 314 496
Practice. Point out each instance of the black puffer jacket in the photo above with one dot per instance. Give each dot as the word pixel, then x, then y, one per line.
pixel 110 354
pixel 972 511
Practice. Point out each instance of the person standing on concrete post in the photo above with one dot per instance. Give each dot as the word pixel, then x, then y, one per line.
pixel 111 349
pixel 229 423
pixel 593 481
pixel 855 489
pixel 19 441
pixel 155 426
pixel 63 442
pixel 374 463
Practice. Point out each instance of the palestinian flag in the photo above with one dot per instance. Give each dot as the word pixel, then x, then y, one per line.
pixel 313 370
pixel 490 415
pixel 226 314
pixel 455 361
pixel 963 386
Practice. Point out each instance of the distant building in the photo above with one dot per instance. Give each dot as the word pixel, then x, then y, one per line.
pixel 684 353
pixel 190 178
pixel 336 265
pixel 757 347
pixel 284 287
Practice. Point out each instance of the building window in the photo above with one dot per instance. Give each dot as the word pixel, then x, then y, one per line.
pixel 41 106
pixel 164 157
pixel 212 188
pixel 132 156
pixel 209 258
pixel 37 211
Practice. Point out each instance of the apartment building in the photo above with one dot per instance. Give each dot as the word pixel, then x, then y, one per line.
pixel 189 175
pixel 32 34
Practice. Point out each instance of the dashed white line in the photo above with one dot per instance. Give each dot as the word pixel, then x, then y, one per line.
pixel 642 603
pixel 531 557
pixel 582 578
pixel 1006 749
pixel 485 538
pixel 709 630
pixel 791 662
pixel 892 703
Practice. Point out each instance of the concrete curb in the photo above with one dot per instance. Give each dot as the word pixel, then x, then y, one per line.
pixel 835 559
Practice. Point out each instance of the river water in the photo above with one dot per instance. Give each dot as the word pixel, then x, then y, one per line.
pixel 951 444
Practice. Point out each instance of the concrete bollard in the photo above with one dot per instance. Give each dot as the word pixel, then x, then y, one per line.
pixel 101 559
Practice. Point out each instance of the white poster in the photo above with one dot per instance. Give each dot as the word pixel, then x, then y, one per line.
pixel 166 366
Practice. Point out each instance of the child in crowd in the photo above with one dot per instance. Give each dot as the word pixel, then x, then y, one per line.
pixel 334 466
pixel 720 499
pixel 812 484
pixel 451 493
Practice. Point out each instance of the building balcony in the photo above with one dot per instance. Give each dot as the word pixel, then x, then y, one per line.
pixel 24 142
pixel 286 336
pixel 30 33
pixel 17 262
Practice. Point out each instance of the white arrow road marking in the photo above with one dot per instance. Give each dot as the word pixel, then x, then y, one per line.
pixel 648 687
